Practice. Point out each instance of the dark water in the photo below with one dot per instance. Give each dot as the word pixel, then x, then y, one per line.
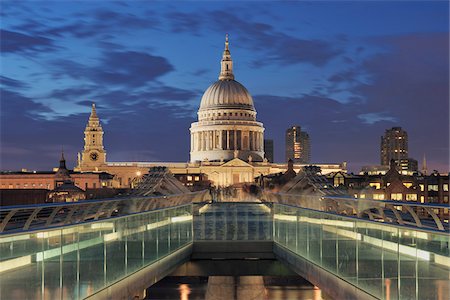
pixel 193 288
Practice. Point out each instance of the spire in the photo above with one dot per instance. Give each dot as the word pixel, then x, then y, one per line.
pixel 93 121
pixel 93 112
pixel 424 165
pixel 226 71
pixel 62 161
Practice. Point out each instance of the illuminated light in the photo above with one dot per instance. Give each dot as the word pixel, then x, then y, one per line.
pixel 327 222
pixel 181 219
pixel 103 225
pixel 184 291
pixel 345 233
pixel 407 250
pixel 138 173
pixel 264 207
pixel 204 208
pixel 442 260
pixel 14 263
pixel 285 217
pixel 158 224
pixel 48 234
pixel 111 236
pixel 14 238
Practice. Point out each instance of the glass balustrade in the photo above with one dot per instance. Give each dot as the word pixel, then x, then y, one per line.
pixel 73 262
pixel 385 260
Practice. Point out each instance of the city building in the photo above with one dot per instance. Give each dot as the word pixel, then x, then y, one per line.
pixel 268 150
pixel 298 147
pixel 394 145
pixel 94 154
pixel 227 142
pixel 49 180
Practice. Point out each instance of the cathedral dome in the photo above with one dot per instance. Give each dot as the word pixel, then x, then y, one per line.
pixel 226 94
pixel 227 127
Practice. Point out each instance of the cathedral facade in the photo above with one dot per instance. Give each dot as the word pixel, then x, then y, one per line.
pixel 227 141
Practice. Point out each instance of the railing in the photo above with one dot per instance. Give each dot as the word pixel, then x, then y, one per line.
pixel 76 261
pixel 232 221
pixel 385 260
pixel 387 211
pixel 43 216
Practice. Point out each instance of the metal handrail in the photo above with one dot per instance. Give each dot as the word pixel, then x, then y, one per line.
pixel 43 216
pixel 419 215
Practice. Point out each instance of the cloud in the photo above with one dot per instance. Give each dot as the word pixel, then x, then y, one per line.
pixel 15 42
pixel 130 68
pixel 275 46
pixel 12 83
pixel 185 22
pixel 372 118
pixel 117 68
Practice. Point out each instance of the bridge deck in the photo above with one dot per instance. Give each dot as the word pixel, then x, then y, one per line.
pixel 371 259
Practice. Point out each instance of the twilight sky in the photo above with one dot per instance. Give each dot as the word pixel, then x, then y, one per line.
pixel 343 71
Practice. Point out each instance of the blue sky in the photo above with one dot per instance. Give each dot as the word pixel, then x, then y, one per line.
pixel 343 71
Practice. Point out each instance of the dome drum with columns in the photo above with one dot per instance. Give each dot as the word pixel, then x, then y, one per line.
pixel 227 126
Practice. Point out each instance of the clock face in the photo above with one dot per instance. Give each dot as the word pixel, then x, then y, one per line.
pixel 93 156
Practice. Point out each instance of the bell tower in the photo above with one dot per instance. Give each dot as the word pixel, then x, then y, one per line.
pixel 93 155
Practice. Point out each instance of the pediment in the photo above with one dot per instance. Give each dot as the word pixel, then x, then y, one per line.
pixel 236 162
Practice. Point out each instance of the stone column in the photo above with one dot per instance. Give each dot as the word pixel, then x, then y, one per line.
pixel 250 287
pixel 220 288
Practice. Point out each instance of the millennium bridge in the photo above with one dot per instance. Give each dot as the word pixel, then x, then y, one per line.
pixel 116 248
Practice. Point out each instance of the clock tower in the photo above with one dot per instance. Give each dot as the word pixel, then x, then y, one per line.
pixel 93 155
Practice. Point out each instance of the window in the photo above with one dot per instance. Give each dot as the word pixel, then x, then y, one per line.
pixel 376 185
pixel 411 197
pixel 94 185
pixel 445 187
pixel 407 184
pixel 422 187
pixel 338 180
pixel 433 187
pixel 378 196
pixel 197 178
pixel 396 196
pixel 189 178
pixel 422 199
pixel 362 196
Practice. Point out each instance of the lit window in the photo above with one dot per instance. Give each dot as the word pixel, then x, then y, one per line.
pixel 378 196
pixel 422 187
pixel 396 196
pixel 411 197
pixel 433 187
pixel 362 196
pixel 189 178
pixel 422 199
pixel 375 185
pixel 407 184
pixel 445 187
pixel 197 178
